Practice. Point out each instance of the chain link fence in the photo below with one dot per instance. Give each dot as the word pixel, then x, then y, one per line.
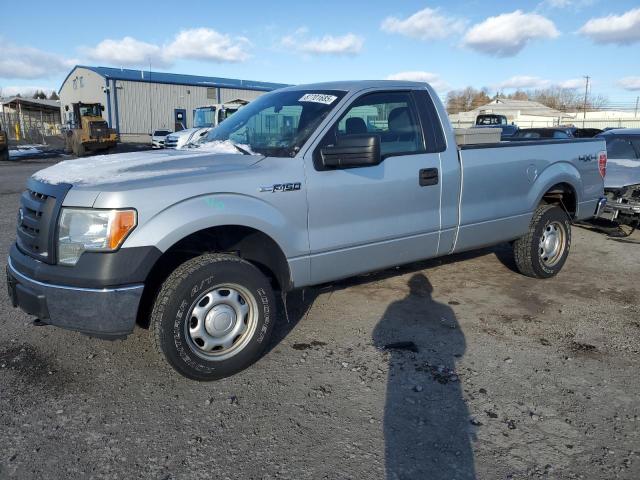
pixel 31 128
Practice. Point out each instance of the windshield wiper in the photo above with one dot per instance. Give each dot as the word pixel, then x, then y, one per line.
pixel 241 150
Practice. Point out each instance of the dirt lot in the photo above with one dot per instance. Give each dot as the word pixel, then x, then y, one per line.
pixel 512 378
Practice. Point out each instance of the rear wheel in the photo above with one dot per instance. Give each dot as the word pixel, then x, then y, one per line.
pixel 213 316
pixel 542 252
pixel 4 155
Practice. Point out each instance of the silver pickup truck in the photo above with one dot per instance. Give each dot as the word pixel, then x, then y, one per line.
pixel 305 185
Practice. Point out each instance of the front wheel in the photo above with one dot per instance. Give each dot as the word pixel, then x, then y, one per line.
pixel 213 316
pixel 542 252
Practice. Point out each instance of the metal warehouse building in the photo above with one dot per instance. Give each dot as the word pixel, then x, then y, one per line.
pixel 136 102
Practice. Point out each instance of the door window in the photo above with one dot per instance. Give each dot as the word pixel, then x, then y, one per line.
pixel 389 114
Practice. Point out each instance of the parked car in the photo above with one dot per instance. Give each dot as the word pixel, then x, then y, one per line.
pixel 492 120
pixel 204 119
pixel 158 138
pixel 585 132
pixel 303 186
pixel 543 133
pixel 622 183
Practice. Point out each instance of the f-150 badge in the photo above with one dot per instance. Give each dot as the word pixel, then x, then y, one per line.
pixel 281 187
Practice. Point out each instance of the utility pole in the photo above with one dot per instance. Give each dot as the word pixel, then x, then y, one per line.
pixel 586 95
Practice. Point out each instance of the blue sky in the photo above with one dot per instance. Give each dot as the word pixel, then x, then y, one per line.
pixel 497 44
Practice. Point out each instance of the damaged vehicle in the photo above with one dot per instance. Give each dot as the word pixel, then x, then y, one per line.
pixel 305 185
pixel 622 182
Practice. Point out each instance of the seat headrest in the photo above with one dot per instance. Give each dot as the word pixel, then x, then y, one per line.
pixel 355 125
pixel 400 121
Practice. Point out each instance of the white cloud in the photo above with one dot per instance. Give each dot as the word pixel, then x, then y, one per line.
pixel 27 62
pixel 24 90
pixel 523 81
pixel 427 24
pixel 127 52
pixel 197 43
pixel 209 45
pixel 630 83
pixel 507 34
pixel 432 79
pixel 348 44
pixel 620 29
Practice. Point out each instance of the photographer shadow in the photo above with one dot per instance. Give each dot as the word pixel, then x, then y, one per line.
pixel 427 428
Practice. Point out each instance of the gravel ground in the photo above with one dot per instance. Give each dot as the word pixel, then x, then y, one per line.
pixel 507 378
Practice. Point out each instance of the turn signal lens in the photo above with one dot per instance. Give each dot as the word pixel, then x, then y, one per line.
pixel 122 222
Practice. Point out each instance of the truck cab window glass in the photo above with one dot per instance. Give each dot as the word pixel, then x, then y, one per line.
pixel 389 114
pixel 204 117
pixel 277 124
pixel 621 148
pixel 491 120
pixel 224 113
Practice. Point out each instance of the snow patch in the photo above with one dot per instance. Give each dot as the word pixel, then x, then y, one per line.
pixel 24 152
pixel 107 169
pixel 223 146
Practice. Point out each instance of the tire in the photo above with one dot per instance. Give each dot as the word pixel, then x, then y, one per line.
pixel 542 252
pixel 78 148
pixel 4 155
pixel 192 314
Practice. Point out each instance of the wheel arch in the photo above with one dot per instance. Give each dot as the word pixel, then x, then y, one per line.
pixel 559 184
pixel 249 243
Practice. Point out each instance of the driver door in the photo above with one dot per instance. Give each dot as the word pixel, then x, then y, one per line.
pixel 372 217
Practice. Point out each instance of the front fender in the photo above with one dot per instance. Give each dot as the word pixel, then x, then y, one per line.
pixel 198 213
pixel 559 172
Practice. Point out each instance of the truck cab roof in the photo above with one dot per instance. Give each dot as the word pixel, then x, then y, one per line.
pixel 357 85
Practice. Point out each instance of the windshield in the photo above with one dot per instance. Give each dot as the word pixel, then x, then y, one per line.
pixel 277 124
pixel 204 117
pixel 90 110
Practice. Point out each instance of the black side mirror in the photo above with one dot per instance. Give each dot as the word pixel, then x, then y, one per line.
pixel 357 150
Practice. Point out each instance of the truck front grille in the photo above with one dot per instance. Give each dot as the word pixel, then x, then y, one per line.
pixel 98 130
pixel 37 219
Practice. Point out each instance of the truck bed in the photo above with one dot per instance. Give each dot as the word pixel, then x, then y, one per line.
pixel 503 182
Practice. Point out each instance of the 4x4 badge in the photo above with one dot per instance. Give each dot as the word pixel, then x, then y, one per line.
pixel 281 187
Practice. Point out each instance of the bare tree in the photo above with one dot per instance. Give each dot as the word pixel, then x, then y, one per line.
pixel 466 99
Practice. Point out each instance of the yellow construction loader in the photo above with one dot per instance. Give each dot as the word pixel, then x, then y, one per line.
pixel 88 131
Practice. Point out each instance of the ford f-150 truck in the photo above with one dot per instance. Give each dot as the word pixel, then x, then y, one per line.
pixel 303 186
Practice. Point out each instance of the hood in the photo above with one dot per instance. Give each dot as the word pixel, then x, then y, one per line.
pixel 622 173
pixel 140 167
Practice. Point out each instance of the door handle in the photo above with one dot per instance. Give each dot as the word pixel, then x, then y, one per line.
pixel 428 176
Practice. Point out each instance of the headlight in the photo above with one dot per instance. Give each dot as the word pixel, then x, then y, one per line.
pixel 81 230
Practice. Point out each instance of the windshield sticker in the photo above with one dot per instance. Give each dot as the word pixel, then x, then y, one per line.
pixel 318 98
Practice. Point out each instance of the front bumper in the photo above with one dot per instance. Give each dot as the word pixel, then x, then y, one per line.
pixel 100 312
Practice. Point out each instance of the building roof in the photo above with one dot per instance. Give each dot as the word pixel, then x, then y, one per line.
pixel 177 78
pixel 33 102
